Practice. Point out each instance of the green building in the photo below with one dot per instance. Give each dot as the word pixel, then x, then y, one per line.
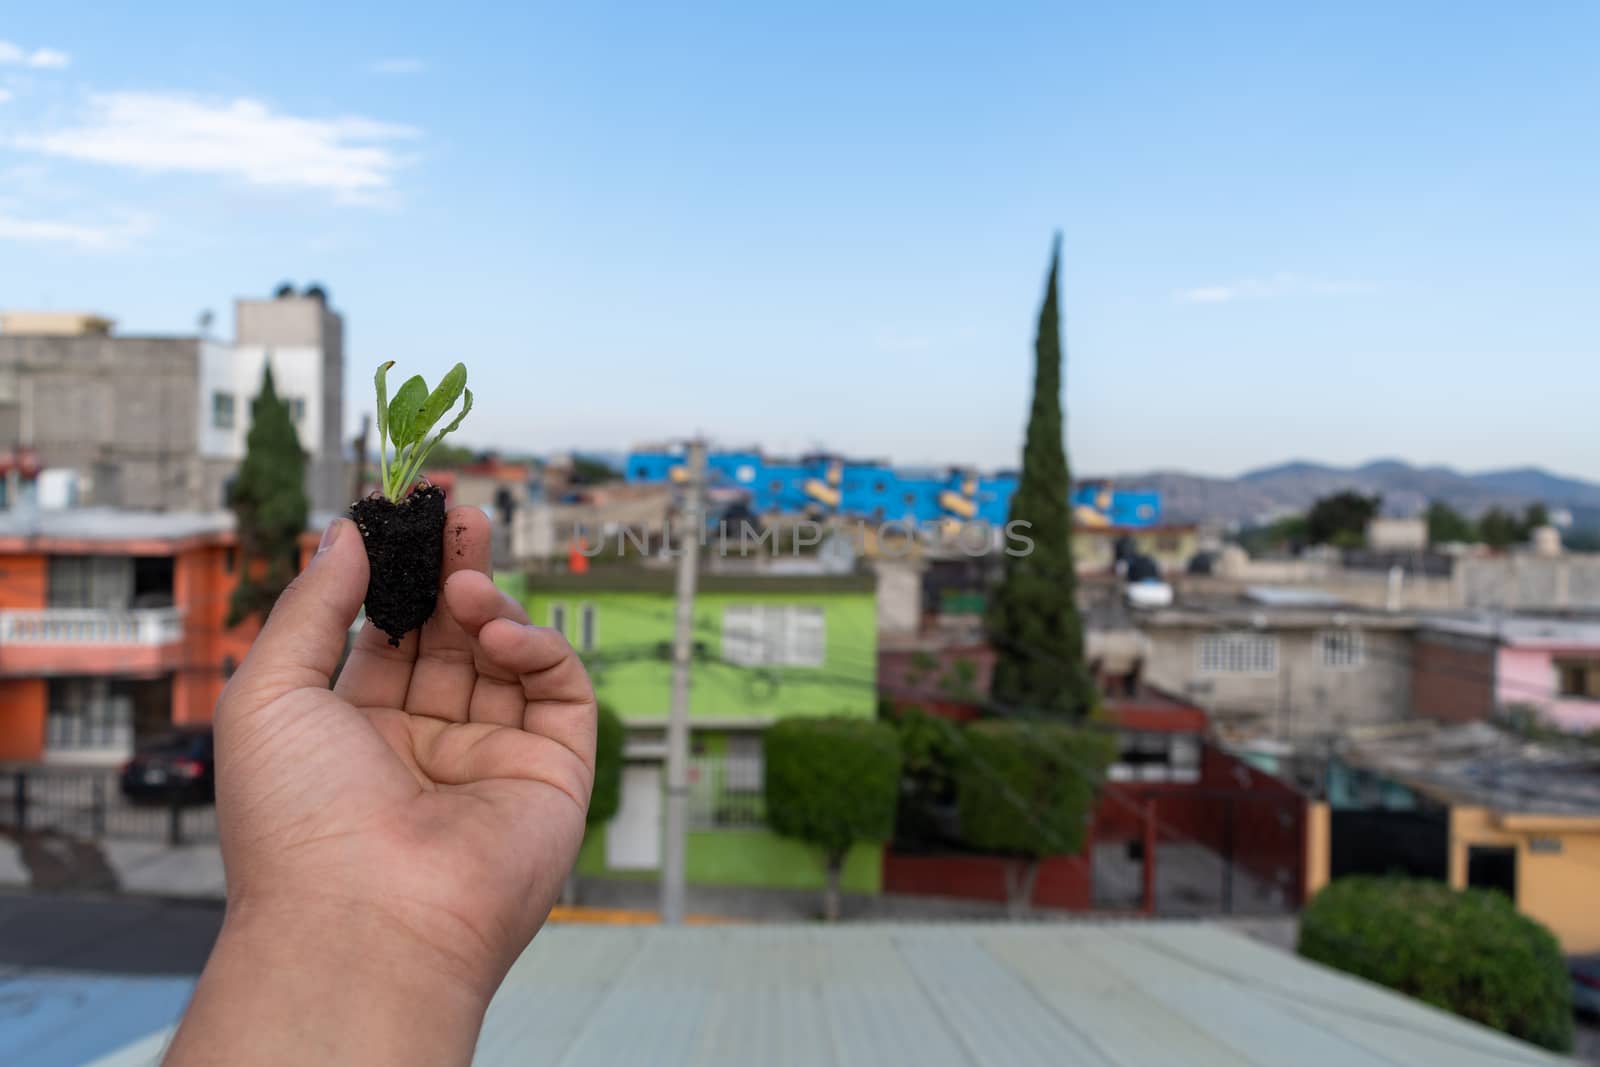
pixel 766 647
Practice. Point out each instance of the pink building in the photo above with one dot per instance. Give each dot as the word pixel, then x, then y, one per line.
pixel 1473 668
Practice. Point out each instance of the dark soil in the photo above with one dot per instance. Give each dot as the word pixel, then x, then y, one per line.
pixel 405 543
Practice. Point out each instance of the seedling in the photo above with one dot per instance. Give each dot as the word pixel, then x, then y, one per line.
pixel 402 526
pixel 407 421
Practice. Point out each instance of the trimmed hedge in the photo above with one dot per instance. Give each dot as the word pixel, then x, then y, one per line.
pixel 1471 953
pixel 606 796
pixel 832 782
pixel 1026 788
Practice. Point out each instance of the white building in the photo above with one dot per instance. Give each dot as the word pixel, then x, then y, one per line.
pixel 303 339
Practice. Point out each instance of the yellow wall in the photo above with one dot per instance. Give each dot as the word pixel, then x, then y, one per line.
pixel 1556 888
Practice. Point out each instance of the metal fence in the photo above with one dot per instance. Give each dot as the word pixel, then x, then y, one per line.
pixel 88 803
pixel 725 792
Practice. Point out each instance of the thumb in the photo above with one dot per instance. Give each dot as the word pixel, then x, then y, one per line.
pixel 304 636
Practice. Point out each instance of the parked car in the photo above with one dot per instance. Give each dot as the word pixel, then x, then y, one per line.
pixel 180 765
pixel 1585 972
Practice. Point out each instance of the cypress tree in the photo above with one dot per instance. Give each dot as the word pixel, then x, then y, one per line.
pixel 269 500
pixel 1033 617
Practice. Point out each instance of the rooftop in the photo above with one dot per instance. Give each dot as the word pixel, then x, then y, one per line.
pixel 112 524
pixel 1524 630
pixel 1100 994
pixel 1478 763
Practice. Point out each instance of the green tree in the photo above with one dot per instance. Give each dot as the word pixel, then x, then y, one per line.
pixel 1341 519
pixel 1499 528
pixel 586 470
pixel 832 783
pixel 1025 790
pixel 605 798
pixel 1033 618
pixel 1536 516
pixel 268 499
pixel 1447 526
pixel 1469 952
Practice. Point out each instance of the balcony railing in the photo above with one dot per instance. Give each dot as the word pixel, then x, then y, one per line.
pixel 90 626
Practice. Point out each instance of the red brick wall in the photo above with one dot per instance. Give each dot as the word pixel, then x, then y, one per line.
pixel 1452 678
pixel 1064 881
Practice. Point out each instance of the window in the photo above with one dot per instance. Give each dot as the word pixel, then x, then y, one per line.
pixel 1238 654
pixel 1578 678
pixel 297 408
pixel 222 410
pixel 1340 650
pixel 89 714
pixel 769 635
pixel 558 618
pixel 1147 756
pixel 105 583
pixel 586 628
pixel 230 560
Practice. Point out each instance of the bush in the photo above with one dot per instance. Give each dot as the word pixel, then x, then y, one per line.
pixel 930 747
pixel 1025 790
pixel 607 795
pixel 832 782
pixel 1469 952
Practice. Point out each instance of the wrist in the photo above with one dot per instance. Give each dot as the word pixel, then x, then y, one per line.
pixel 330 982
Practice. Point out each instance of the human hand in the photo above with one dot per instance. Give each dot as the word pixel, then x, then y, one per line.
pixel 414 823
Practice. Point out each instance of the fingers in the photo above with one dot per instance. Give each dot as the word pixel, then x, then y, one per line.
pixel 304 636
pixel 528 676
pixel 443 676
pixel 496 695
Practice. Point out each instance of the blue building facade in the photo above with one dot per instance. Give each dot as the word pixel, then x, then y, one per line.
pixel 879 492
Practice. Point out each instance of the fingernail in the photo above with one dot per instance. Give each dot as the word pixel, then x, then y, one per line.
pixel 330 535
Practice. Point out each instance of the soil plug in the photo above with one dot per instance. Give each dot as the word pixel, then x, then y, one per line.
pixel 403 523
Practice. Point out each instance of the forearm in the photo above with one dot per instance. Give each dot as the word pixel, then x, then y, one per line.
pixel 322 985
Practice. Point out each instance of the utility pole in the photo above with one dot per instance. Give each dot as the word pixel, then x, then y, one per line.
pixel 676 825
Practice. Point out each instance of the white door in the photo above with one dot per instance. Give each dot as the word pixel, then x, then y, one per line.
pixel 633 838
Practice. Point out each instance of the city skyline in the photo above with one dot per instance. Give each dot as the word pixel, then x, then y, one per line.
pixel 1285 234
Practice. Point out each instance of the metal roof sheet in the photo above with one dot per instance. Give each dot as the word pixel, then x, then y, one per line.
pixel 1127 994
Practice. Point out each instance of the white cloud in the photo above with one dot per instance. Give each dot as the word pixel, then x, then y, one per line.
pixel 397 66
pixel 5 94
pixel 12 55
pixel 350 157
pixel 83 236
pixel 1265 288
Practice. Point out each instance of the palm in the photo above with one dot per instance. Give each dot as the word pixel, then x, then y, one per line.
pixel 447 779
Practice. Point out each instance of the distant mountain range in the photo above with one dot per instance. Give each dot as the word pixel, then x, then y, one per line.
pixel 1261 494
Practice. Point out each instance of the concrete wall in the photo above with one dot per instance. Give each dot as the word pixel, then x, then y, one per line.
pixel 119 410
pixel 899 597
pixel 1530 582
pixel 1302 697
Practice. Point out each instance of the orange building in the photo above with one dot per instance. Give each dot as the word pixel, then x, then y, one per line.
pixel 112 628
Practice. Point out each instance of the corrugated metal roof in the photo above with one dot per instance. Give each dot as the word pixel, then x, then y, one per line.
pixel 1130 994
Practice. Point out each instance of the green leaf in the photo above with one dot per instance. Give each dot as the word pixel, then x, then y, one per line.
pixel 439 401
pixel 383 401
pixel 466 407
pixel 404 410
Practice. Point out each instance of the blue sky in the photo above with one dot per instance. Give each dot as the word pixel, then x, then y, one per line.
pixel 1370 231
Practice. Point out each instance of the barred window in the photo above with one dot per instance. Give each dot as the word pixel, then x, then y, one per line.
pixel 586 634
pixel 1238 654
pixel 1340 649
pixel 769 635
